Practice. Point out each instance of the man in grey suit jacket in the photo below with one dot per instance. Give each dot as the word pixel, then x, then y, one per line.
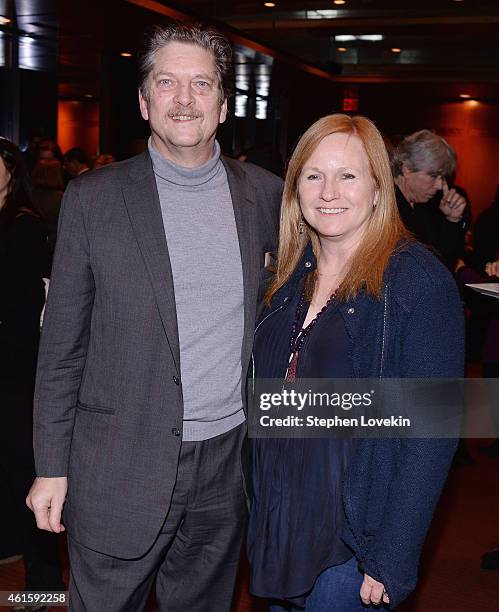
pixel 146 343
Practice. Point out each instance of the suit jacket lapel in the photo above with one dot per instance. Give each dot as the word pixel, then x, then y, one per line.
pixel 243 201
pixel 144 209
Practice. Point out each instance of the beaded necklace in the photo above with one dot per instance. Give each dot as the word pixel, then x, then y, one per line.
pixel 297 338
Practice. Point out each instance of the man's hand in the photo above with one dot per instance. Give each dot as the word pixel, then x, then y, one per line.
pixel 46 499
pixel 373 592
pixel 492 268
pixel 452 204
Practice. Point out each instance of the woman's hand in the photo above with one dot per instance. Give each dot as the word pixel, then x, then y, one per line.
pixel 492 268
pixel 373 592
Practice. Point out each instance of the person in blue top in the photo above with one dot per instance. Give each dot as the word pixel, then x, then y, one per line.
pixel 337 524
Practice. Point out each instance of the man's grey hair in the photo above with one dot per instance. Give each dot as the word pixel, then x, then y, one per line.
pixel 206 38
pixel 424 150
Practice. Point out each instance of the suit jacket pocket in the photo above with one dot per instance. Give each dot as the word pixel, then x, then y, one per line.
pixel 97 409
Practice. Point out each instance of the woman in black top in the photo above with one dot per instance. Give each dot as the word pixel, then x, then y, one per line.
pixel 24 263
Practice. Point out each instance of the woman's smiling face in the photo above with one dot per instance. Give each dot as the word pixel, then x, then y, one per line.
pixel 336 189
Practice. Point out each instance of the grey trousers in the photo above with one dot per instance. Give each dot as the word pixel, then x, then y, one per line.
pixel 196 555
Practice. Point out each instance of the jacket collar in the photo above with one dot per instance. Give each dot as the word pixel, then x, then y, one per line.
pixel 142 202
pixel 307 263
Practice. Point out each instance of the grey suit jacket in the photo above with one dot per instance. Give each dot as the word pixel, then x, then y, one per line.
pixel 108 399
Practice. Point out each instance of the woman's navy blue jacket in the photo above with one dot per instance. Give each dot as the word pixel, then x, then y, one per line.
pixel 391 487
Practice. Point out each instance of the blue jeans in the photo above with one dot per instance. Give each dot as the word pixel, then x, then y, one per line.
pixel 335 590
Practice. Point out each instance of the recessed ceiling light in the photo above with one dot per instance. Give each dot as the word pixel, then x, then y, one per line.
pixel 465 96
pixel 269 4
pixel 348 37
pixel 342 49
pixel 396 50
pixel 370 37
pixel 125 54
pixel 4 20
pixel 339 1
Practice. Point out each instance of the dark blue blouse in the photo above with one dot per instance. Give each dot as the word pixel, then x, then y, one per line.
pixel 297 512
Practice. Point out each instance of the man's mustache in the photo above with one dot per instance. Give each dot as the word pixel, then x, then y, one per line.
pixel 192 113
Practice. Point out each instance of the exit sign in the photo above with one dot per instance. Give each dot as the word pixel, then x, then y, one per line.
pixel 350 104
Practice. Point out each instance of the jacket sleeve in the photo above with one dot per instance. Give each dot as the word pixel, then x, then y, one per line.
pixel 450 240
pixel 445 236
pixel 64 340
pixel 432 347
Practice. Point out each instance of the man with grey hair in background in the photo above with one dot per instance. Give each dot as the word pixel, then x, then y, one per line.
pixel 421 164
pixel 146 344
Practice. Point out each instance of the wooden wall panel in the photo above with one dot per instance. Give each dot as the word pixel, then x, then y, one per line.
pixel 78 126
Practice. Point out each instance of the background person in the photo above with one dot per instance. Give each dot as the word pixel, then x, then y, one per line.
pixel 48 190
pixel 104 159
pixel 420 163
pixel 23 263
pixel 32 152
pixel 75 162
pixel 480 266
pixel 48 149
pixel 337 522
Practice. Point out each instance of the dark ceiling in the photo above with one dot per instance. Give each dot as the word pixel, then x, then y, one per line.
pixel 432 41
pixel 437 39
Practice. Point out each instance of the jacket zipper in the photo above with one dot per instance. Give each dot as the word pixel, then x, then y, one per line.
pixel 286 299
pixel 253 380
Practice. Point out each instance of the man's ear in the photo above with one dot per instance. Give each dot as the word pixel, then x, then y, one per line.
pixel 405 170
pixel 223 111
pixel 143 106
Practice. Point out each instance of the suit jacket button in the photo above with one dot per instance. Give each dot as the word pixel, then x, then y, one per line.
pixel 175 431
pixel 176 380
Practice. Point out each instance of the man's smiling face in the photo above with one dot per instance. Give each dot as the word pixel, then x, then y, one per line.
pixel 183 103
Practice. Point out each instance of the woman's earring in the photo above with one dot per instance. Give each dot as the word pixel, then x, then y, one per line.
pixel 301 226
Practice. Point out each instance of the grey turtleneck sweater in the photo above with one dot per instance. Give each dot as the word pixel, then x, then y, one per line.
pixel 201 234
